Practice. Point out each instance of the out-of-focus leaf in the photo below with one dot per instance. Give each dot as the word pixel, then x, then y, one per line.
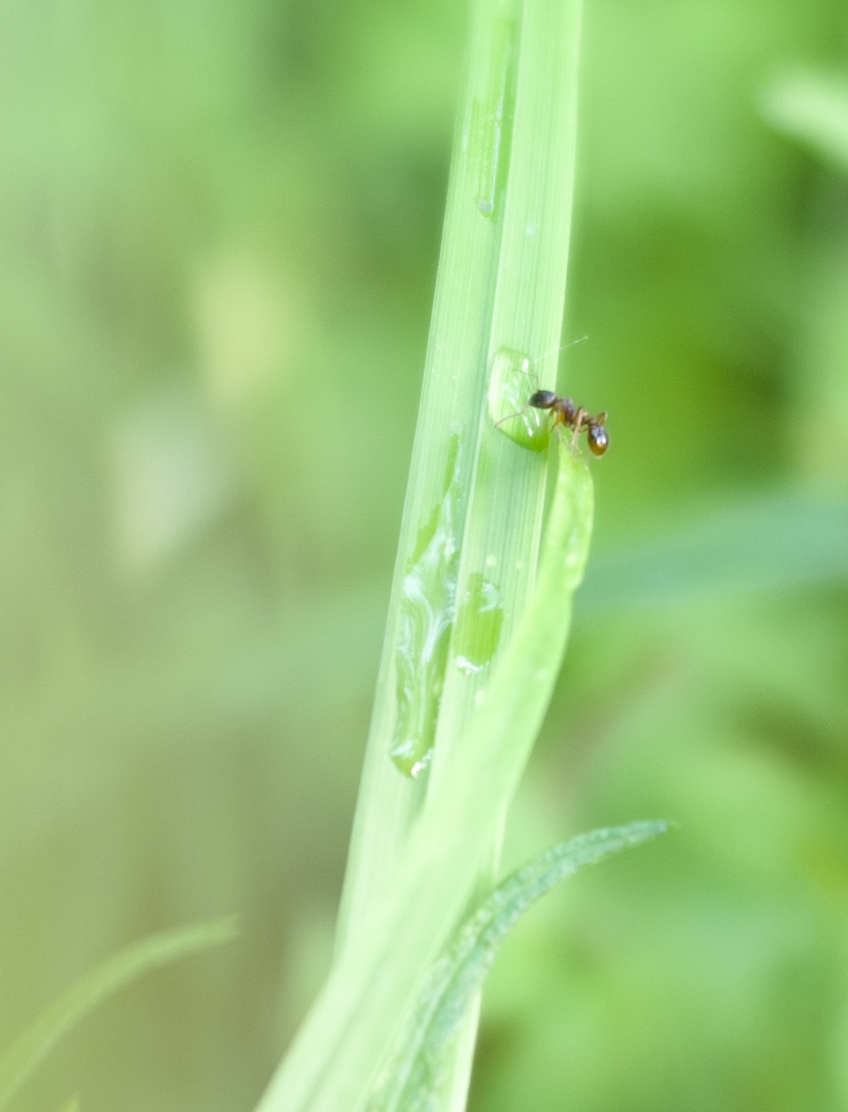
pixel 812 107
pixel 21 1058
pixel 768 545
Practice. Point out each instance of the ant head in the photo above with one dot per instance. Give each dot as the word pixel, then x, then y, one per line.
pixel 598 438
pixel 543 399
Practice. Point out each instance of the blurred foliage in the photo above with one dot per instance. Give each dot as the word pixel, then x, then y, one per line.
pixel 19 1060
pixel 219 227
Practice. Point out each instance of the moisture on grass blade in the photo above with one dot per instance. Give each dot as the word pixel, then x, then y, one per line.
pixel 19 1060
pixel 427 605
pixel 410 1081
pixel 478 624
pixel 511 384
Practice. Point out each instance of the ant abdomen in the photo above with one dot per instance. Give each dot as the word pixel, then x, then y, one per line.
pixel 598 439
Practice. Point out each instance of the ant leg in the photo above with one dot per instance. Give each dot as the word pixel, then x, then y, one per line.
pixel 581 417
pixel 524 367
pixel 509 416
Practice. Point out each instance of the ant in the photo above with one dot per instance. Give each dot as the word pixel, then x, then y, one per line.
pixel 573 417
pixel 567 413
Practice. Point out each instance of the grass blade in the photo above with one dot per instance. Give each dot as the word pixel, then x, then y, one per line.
pixel 474 500
pixel 469 660
pixel 453 396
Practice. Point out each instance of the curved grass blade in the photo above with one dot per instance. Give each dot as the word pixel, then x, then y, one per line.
pixel 412 1079
pixel 20 1059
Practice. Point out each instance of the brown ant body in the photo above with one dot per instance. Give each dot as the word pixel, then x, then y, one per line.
pixel 574 417
pixel 564 411
pixel 570 416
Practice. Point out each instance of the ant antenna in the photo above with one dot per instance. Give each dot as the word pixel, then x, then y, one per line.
pixel 532 369
pixel 564 347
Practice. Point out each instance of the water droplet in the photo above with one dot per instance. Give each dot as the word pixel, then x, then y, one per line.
pixel 427 611
pixel 478 623
pixel 511 384
pixel 466 666
pixel 421 765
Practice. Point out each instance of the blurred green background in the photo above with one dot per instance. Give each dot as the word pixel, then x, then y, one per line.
pixel 219 228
